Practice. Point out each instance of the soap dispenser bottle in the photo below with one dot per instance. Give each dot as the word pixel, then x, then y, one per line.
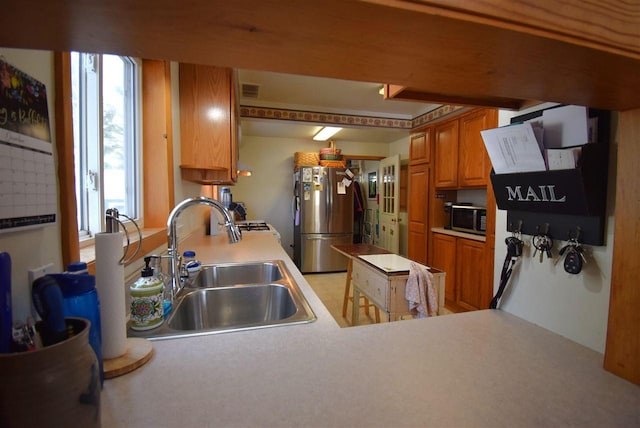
pixel 146 300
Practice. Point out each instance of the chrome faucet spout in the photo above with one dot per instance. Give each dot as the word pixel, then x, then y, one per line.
pixel 172 231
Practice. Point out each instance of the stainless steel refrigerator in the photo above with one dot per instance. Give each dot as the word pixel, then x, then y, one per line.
pixel 323 216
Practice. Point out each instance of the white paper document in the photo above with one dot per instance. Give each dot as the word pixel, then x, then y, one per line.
pixel 565 127
pixel 562 158
pixel 513 149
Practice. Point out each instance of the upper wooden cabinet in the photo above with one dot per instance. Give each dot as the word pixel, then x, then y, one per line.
pixel 420 147
pixel 208 124
pixel 461 160
pixel 473 160
pixel 446 154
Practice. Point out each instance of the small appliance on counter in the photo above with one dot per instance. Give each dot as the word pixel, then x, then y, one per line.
pixel 237 209
pixel 225 196
pixel 447 211
pixel 469 218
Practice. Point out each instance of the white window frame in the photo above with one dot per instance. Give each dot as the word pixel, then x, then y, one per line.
pixel 89 141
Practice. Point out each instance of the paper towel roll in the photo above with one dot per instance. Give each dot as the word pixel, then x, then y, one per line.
pixel 111 292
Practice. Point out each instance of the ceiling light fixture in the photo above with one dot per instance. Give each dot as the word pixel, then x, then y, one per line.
pixel 325 133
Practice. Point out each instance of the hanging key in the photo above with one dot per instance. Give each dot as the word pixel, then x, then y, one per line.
pixel 548 246
pixel 543 244
pixel 542 247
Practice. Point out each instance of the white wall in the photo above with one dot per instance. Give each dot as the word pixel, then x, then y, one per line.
pixel 39 246
pixel 574 306
pixel 268 192
pixel 400 147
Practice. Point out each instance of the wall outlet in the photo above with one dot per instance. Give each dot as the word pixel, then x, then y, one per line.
pixel 36 273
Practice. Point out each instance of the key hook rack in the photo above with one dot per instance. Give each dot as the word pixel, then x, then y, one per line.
pixel 573 234
pixel 573 230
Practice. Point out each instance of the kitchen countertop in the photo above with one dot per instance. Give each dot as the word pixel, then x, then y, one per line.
pixel 355 250
pixel 459 234
pixel 485 368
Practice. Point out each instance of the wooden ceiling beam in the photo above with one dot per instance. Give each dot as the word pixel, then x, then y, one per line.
pixel 458 52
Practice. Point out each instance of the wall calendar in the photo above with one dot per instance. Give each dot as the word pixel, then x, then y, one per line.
pixel 28 194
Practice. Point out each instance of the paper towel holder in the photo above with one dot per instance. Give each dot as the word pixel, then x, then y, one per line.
pixel 112 221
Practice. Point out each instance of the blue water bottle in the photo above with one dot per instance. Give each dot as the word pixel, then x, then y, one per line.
pixel 81 300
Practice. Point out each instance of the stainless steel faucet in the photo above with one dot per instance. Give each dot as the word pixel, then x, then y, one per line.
pixel 174 255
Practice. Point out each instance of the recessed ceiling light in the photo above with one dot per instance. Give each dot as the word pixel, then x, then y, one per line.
pixel 325 133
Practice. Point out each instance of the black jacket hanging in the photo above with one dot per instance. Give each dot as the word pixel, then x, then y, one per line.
pixel 358 212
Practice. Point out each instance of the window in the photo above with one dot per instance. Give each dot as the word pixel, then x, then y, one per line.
pixel 106 118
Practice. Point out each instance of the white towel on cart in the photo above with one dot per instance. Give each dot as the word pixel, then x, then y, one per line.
pixel 420 292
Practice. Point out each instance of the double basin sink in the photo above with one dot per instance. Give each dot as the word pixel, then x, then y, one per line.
pixel 234 296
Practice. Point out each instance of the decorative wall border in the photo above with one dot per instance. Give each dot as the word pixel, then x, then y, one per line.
pixel 434 114
pixel 324 118
pixel 347 119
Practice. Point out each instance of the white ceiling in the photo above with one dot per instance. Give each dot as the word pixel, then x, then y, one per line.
pixel 318 94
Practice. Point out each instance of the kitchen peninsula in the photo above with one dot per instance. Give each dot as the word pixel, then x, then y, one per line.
pixel 483 368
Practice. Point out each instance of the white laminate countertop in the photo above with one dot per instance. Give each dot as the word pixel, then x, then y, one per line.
pixel 388 262
pixel 457 233
pixel 484 369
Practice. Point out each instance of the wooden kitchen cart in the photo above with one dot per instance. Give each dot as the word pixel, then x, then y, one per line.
pixel 383 287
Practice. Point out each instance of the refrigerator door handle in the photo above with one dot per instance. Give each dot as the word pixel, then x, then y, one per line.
pixel 319 238
pixel 329 202
pixel 295 210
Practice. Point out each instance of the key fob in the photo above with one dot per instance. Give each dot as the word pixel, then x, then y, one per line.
pixel 514 245
pixel 573 262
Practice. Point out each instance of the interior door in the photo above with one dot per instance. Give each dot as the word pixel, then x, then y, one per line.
pixel 389 184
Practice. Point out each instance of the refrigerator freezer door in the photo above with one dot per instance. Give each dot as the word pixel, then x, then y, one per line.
pixel 318 256
pixel 323 209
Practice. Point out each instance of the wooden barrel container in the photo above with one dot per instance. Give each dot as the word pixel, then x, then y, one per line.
pixel 58 385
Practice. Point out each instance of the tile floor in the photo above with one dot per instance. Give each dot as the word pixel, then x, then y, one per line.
pixel 330 289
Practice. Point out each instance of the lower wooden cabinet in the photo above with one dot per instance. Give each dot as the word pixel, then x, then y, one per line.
pixel 444 259
pixel 463 260
pixel 470 277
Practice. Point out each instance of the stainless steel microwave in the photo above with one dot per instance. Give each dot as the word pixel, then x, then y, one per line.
pixel 469 218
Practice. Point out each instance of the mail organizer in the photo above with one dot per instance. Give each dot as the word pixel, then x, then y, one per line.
pixel 579 191
pixel 567 200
